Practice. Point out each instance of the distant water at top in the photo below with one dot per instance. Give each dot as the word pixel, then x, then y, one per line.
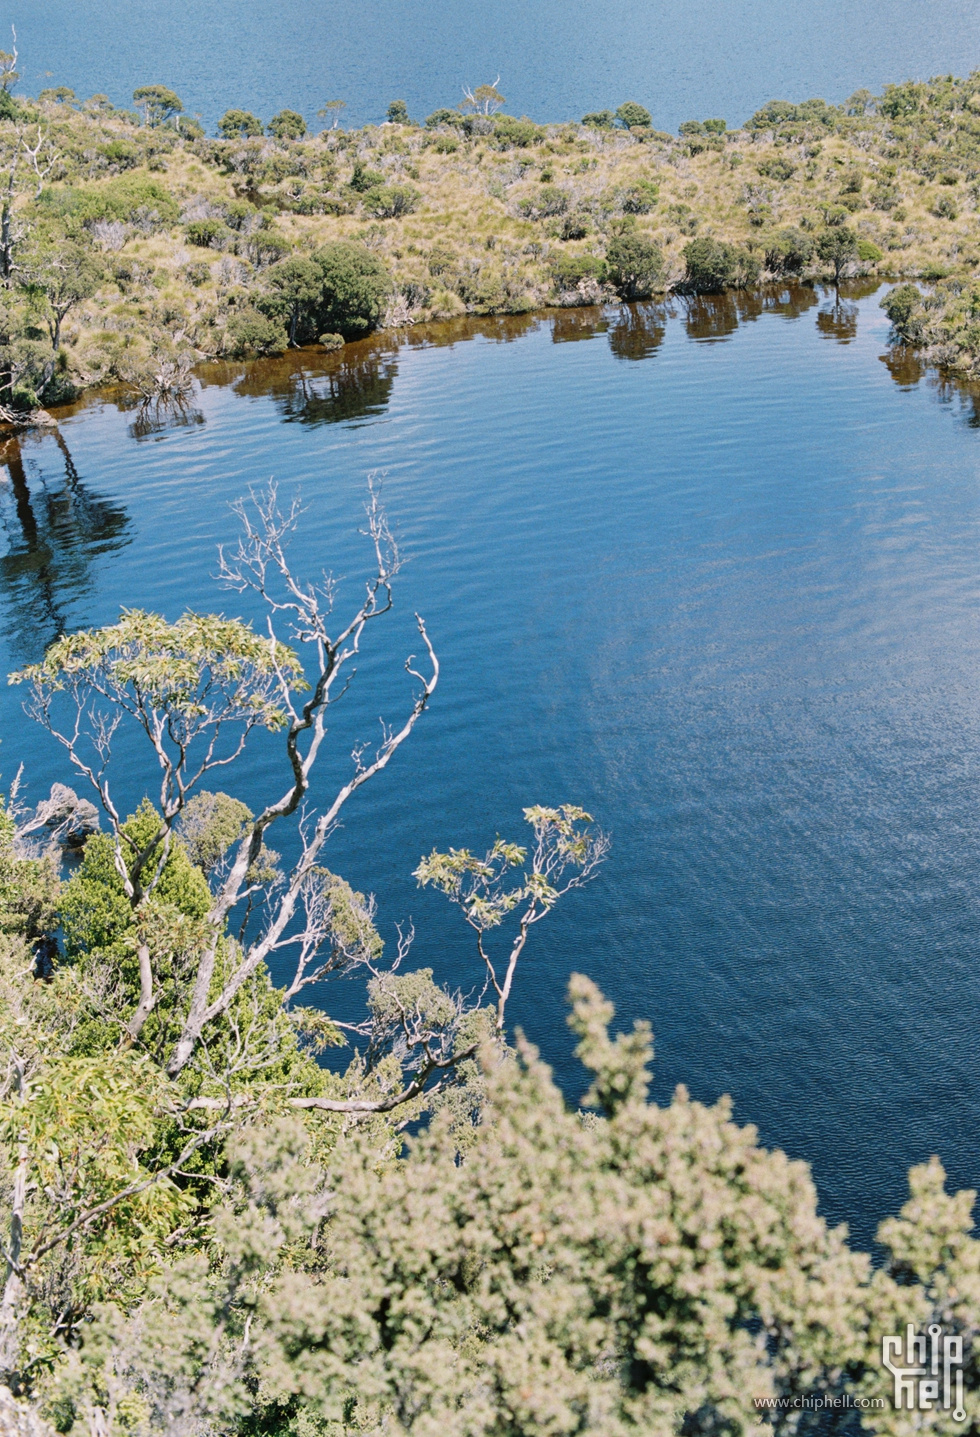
pixel 556 59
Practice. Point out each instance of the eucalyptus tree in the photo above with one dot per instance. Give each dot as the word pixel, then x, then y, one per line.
pixel 196 691
pixel 158 103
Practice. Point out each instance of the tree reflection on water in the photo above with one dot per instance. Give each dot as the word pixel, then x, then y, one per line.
pixel 55 529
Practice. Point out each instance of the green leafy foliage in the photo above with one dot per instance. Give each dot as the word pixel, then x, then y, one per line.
pixel 157 103
pixel 239 124
pixel 29 887
pixel 287 125
pixel 642 1270
pixel 510 133
pixel 903 306
pixel 635 265
pixel 569 270
pixel 388 202
pixel 838 247
pixel 125 197
pixel 713 266
pixel 631 114
pixel 789 251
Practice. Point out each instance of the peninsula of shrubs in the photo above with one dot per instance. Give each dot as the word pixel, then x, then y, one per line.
pixel 133 244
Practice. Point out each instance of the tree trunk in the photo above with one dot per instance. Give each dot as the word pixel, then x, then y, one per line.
pixel 13 1287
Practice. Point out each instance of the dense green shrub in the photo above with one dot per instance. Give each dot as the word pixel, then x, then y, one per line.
pixel 128 197
pixel 868 252
pixel 287 125
pixel 903 306
pixel 713 266
pixel 354 287
pixel 631 114
pixel 251 333
pixel 235 124
pixel 788 251
pixel 445 117
pixel 363 179
pixel 640 198
pixel 777 168
pixel 388 202
pixel 569 270
pixel 123 153
pixel 510 133
pixel 600 119
pixel 635 266
pixel 340 289
pixel 208 234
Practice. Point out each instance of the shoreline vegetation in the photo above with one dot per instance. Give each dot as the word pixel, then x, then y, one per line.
pixel 133 245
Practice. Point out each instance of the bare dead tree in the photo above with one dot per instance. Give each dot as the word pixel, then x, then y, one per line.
pixel 197 690
pixel 485 99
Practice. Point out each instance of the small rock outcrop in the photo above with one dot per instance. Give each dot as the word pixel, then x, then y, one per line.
pixel 68 819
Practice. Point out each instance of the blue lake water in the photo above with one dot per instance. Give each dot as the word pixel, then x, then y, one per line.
pixel 556 59
pixel 712 573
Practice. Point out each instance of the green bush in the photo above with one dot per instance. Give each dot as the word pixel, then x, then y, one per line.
pixel 251 333
pixel 640 198
pixel 387 202
pixel 235 124
pixel 129 197
pixel 363 179
pixel 287 125
pixel 713 266
pixel 903 306
pixel 510 133
pixel 632 114
pixel 95 912
pixel 868 252
pixel 635 266
pixel 445 117
pixel 122 153
pixel 207 234
pixel 599 120
pixel 776 169
pixel 568 270
pixel 789 251
pixel 355 285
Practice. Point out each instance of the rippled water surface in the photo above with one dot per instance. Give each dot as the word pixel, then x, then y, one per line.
pixel 712 574
pixel 556 58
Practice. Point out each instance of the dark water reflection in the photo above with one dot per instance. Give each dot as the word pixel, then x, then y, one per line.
pixel 56 530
